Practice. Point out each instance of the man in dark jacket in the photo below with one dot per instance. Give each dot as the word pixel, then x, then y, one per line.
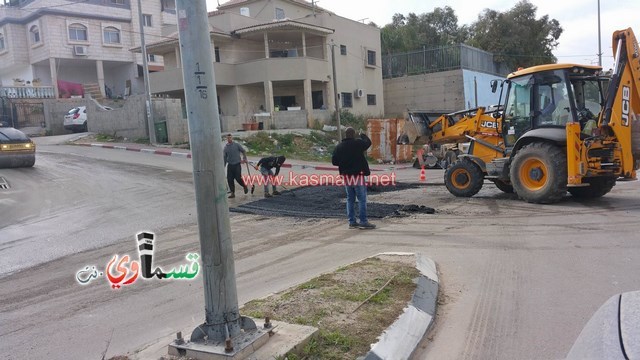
pixel 232 156
pixel 265 165
pixel 353 166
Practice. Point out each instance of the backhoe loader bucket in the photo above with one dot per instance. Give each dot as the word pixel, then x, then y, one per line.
pixel 416 130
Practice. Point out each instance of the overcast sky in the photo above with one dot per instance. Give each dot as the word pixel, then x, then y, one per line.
pixel 578 18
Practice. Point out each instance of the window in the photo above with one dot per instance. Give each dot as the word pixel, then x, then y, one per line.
pixel 343 49
pixel 146 20
pixel 35 34
pixel 279 14
pixel 117 2
pixel 151 57
pixel 168 5
pixel 371 99
pixel 1 42
pixel 371 58
pixel 217 54
pixel 77 32
pixel 347 100
pixel 111 35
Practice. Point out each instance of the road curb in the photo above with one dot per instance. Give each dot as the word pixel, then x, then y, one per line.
pixel 400 340
pixel 169 152
pixel 166 152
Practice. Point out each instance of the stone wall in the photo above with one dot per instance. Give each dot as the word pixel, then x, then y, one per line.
pixel 440 92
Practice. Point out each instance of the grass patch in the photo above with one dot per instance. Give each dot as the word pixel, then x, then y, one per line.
pixel 341 306
pixel 316 146
pixel 107 138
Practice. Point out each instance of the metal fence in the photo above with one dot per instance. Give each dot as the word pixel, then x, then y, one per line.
pixel 440 59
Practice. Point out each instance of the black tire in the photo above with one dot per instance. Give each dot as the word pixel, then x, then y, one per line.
pixel 503 186
pixel 464 178
pixel 539 173
pixel 84 127
pixel 598 188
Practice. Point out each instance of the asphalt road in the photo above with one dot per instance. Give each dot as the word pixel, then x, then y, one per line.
pixel 519 280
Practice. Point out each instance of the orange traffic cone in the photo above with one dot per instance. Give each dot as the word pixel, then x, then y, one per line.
pixel 423 175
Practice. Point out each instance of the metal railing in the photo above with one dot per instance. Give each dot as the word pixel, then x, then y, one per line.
pixel 27 92
pixel 440 59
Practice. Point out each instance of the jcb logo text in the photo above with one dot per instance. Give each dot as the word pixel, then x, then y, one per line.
pixel 626 94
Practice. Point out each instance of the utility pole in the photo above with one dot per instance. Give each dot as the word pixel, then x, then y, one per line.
pixel 599 40
pixel 335 88
pixel 223 325
pixel 145 76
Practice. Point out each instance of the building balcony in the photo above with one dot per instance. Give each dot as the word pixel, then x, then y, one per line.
pixel 27 92
pixel 256 71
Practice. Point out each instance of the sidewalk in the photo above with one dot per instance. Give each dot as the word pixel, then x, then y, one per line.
pixel 168 150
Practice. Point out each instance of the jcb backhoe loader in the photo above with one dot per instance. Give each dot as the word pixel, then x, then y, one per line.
pixel 477 127
pixel 564 127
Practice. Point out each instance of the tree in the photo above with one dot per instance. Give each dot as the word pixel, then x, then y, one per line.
pixel 412 32
pixel 516 37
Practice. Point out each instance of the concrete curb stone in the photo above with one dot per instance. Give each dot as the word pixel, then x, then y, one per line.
pixel 403 336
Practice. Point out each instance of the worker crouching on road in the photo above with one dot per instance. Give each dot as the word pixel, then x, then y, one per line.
pixel 353 166
pixel 265 165
pixel 232 152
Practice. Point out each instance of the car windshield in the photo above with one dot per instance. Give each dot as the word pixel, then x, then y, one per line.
pixel 73 111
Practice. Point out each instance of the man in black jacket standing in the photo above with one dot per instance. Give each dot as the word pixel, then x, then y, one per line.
pixel 353 166
pixel 234 156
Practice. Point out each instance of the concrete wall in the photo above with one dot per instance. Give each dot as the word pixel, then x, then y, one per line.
pixel 295 119
pixel 170 111
pixel 128 121
pixel 441 92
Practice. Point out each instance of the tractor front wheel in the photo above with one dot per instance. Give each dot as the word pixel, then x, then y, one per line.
pixel 464 178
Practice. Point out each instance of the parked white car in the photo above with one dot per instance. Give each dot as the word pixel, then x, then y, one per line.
pixel 76 119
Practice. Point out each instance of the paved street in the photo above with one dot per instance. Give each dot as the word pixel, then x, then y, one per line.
pixel 519 280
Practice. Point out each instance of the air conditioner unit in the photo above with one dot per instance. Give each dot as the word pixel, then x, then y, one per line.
pixel 79 50
pixel 358 93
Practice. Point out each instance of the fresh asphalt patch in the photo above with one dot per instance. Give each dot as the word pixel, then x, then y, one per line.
pixel 329 202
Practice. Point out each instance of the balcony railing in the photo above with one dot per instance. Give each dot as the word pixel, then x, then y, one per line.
pixel 27 92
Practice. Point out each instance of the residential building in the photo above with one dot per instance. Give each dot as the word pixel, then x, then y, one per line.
pixel 66 44
pixel 272 64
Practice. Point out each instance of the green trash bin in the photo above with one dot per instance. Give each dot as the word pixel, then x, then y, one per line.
pixel 161 132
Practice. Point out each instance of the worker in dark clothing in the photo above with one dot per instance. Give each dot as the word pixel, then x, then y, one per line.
pixel 353 166
pixel 232 151
pixel 265 165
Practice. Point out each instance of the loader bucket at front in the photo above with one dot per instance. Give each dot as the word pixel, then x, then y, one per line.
pixel 416 130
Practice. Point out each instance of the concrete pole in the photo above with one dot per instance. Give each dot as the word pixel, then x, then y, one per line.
pixel 100 70
pixel 335 88
pixel 599 38
pixel 54 77
pixel 145 76
pixel 222 316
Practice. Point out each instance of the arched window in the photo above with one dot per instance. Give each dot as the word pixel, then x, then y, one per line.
pixel 35 34
pixel 1 42
pixel 77 32
pixel 111 35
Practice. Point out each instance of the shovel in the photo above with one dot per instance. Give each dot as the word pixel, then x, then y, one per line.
pixel 253 186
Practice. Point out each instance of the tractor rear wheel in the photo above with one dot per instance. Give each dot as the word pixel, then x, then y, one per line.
pixel 464 178
pixel 598 187
pixel 539 173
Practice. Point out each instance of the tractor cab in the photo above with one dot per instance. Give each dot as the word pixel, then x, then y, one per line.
pixel 549 97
